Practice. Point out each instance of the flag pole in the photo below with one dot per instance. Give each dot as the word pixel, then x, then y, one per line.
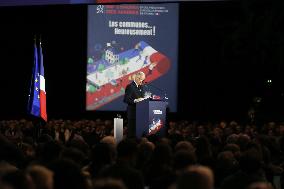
pixel 31 83
pixel 37 120
pixel 40 123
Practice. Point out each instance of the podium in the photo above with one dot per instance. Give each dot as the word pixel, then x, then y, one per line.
pixel 151 118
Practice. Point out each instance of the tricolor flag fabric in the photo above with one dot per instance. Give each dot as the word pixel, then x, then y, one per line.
pixel 37 97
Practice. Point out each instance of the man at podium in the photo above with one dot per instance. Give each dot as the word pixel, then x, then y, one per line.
pixel 134 93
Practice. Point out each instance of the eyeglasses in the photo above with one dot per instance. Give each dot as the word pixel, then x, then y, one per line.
pixel 140 79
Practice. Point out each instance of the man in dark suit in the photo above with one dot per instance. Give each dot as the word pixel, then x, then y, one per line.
pixel 134 93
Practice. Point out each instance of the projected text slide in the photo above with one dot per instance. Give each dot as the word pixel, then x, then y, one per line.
pixel 125 39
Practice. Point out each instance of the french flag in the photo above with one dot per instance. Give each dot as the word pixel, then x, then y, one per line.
pixel 37 97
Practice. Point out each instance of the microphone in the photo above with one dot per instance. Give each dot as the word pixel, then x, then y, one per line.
pixel 157 88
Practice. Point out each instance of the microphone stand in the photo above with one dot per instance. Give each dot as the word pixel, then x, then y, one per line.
pixel 155 87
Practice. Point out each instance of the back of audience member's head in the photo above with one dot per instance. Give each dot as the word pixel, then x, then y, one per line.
pixel 234 148
pixel 80 145
pixel 153 138
pixel 175 137
pixel 165 141
pixel 73 154
pixel 28 140
pixel 250 161
pixel 49 151
pixel 226 161
pixel 108 184
pixel 41 177
pixel 162 154
pixel 260 185
pixel 127 148
pixel 10 153
pixel 102 154
pixel 184 145
pixel 203 148
pixel 28 150
pixel 5 186
pixel 16 180
pixel 243 141
pixel 183 159
pixel 232 139
pixel 109 140
pixel 6 167
pixel 67 174
pixel 281 143
pixel 144 153
pixel 196 177
pixel 44 138
pixel 201 130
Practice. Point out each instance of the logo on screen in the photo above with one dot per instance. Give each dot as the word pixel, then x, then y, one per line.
pixel 100 9
pixel 157 112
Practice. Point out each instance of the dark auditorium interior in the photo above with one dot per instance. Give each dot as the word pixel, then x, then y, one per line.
pixel 227 132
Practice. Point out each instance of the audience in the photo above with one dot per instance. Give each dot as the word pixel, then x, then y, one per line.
pixel 84 154
pixel 124 167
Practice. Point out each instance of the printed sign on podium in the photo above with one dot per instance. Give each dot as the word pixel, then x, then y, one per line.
pixel 151 118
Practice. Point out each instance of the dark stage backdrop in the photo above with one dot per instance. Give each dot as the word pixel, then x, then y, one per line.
pixel 225 59
pixel 63 32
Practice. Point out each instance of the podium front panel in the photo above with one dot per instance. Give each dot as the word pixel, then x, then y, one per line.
pixel 157 118
pixel 151 118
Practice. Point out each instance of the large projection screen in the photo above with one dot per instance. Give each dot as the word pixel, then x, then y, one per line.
pixel 124 39
pixel 66 2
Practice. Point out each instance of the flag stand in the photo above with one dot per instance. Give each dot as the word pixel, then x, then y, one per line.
pixel 37 127
pixel 37 96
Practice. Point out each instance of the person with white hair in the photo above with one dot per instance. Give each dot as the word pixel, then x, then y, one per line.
pixel 134 93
